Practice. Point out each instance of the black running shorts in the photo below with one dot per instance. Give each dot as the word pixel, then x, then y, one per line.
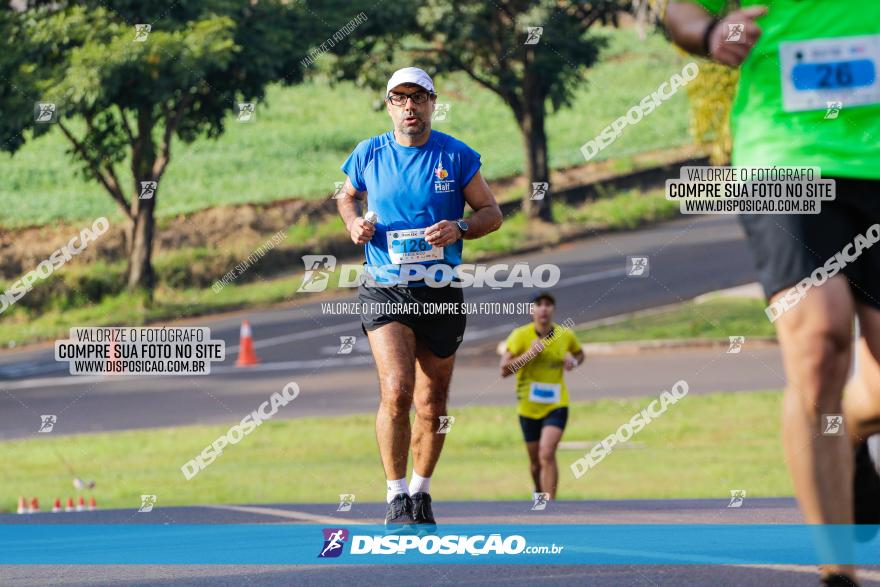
pixel 789 247
pixel 435 314
pixel 531 427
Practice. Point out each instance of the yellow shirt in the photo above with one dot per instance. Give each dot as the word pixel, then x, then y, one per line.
pixel 540 387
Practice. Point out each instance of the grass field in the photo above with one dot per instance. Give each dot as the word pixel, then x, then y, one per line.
pixel 303 134
pixel 715 318
pixel 698 448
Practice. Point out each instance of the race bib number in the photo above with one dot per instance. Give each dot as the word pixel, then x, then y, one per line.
pixel 410 246
pixel 545 393
pixel 830 73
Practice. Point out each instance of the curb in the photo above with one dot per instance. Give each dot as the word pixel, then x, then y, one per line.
pixel 636 346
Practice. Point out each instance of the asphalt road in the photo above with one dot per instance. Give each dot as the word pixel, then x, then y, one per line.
pixel 420 576
pixel 298 342
pixel 754 510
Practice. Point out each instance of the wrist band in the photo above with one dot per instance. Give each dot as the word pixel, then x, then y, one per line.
pixel 708 33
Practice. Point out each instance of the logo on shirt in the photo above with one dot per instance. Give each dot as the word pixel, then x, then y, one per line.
pixel 442 184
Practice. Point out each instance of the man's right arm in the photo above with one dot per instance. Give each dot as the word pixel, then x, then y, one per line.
pixel 348 204
pixel 696 31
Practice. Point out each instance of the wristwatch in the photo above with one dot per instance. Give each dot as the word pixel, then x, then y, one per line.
pixel 462 226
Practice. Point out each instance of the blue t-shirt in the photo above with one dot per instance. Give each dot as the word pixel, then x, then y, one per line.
pixel 411 188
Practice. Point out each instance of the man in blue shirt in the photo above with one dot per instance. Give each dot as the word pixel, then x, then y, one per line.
pixel 416 181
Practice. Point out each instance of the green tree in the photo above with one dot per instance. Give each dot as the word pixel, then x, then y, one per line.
pixel 122 94
pixel 488 41
pixel 499 46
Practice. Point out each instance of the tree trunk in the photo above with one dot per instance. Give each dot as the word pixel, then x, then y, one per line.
pixel 532 127
pixel 531 123
pixel 140 247
pixel 139 235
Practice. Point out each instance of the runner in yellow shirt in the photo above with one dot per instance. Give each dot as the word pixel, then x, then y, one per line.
pixel 539 353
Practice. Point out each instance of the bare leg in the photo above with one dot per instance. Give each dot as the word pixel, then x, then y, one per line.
pixel 393 347
pixel 432 379
pixel 862 398
pixel 815 336
pixel 534 463
pixel 550 437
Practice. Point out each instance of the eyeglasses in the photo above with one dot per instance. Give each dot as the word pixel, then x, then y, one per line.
pixel 416 97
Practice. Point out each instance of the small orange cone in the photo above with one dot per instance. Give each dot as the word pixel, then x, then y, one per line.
pixel 92 504
pixel 56 507
pixel 81 504
pixel 35 505
pixel 22 506
pixel 69 506
pixel 246 354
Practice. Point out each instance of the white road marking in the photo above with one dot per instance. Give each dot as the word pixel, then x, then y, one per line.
pixel 307 335
pixel 304 364
pixel 289 514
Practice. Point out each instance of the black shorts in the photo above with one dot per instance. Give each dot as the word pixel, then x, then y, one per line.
pixel 531 427
pixel 441 332
pixel 789 247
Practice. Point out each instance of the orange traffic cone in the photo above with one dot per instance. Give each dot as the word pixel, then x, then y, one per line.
pixel 56 507
pixel 92 504
pixel 81 504
pixel 246 354
pixel 69 507
pixel 22 506
pixel 35 505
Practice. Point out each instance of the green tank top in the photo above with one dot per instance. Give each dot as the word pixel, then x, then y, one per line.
pixel 809 91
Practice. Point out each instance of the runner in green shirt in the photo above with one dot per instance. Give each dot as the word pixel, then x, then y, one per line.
pixel 809 95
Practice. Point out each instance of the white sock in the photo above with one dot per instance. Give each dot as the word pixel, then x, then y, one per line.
pixel 395 486
pixel 419 483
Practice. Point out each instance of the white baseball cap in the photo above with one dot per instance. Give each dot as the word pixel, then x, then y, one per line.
pixel 410 75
